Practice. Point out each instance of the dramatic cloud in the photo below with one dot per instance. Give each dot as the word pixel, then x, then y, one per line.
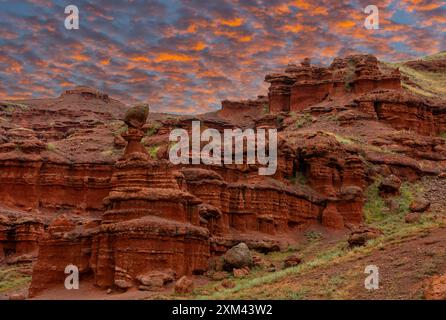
pixel 186 55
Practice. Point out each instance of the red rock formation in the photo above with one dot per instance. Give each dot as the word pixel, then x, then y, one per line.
pixel 149 224
pixel 19 236
pixel 53 187
pixel 336 173
pixel 88 93
pixel 403 110
pixel 306 85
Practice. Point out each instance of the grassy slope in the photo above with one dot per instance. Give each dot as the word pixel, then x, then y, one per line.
pixel 424 83
pixel 11 278
pixel 335 263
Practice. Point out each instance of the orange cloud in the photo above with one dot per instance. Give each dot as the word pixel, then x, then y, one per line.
pixel 236 22
pixel 165 56
pixel 346 24
pixel 200 45
pixel 139 59
pixel 79 57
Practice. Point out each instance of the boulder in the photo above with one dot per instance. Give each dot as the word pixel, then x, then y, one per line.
pixel 419 205
pixel 219 275
pixel 360 236
pixel 258 261
pixel 390 185
pixel 240 273
pixel 291 261
pixel 123 284
pixel 137 115
pixel 156 278
pixel 228 284
pixel 413 217
pixel 184 285
pixel 237 257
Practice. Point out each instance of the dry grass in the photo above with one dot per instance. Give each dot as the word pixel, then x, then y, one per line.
pixel 11 278
pixel 424 83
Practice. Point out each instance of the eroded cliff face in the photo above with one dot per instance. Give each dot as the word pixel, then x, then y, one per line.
pixel 78 185
pixel 305 85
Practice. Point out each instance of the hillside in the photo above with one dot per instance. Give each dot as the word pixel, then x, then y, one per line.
pixel 359 181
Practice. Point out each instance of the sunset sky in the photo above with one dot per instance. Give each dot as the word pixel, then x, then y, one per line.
pixel 187 55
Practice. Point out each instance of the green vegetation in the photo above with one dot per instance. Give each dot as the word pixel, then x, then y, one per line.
pixel 343 140
pixel 313 236
pixel 154 127
pixel 118 127
pixel 265 108
pixel 299 178
pixel 295 294
pixel 377 214
pixel 152 150
pixel 423 82
pixel 11 278
pixel 279 121
pixel 121 130
pixel 303 120
pixel 110 152
pixel 443 135
pixel 50 146
pixel 10 106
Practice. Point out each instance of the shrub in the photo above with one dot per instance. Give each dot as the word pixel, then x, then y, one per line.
pixel 50 146
pixel 303 120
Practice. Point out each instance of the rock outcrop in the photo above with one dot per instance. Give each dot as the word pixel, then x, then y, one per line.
pixel 306 85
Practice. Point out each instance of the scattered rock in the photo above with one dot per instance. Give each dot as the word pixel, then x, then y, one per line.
pixel 156 278
pixel 436 288
pixel 258 261
pixel 291 261
pixel 109 291
pixel 392 205
pixel 419 205
pixel 228 284
pixel 184 285
pixel 271 269
pixel 240 273
pixel 237 257
pixel 17 296
pixel 123 284
pixel 149 288
pixel 390 185
pixel 360 236
pixel 413 217
pixel 219 275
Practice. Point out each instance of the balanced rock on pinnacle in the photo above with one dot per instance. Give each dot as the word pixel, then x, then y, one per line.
pixel 137 115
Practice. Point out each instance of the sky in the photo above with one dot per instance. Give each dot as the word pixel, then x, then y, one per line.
pixel 185 56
